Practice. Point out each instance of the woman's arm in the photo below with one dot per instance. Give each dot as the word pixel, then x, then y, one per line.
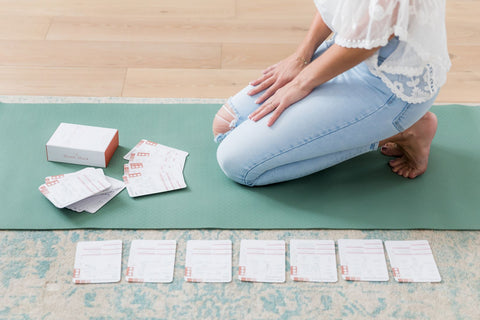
pixel 276 76
pixel 334 61
pixel 317 33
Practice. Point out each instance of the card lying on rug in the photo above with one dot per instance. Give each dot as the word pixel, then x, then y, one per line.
pixel 208 261
pixel 412 261
pixel 313 260
pixel 151 261
pixel 85 190
pixel 98 262
pixel 262 261
pixel 153 168
pixel 362 260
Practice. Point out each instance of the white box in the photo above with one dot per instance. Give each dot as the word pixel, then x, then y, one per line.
pixel 85 145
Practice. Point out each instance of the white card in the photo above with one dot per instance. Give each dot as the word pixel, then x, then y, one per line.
pixel 144 183
pixel 262 261
pixel 151 261
pixel 362 260
pixel 412 261
pixel 208 261
pixel 313 260
pixel 94 203
pixel 153 148
pixel 153 168
pixel 98 262
pixel 74 187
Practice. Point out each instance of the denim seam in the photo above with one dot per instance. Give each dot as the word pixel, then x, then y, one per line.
pixel 317 137
pixel 399 117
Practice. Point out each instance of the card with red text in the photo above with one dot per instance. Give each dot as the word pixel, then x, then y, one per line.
pixel 412 261
pixel 313 260
pixel 151 261
pixel 208 261
pixel 98 262
pixel 362 260
pixel 262 261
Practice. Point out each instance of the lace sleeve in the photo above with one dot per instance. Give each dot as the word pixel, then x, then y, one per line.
pixel 365 23
pixel 418 67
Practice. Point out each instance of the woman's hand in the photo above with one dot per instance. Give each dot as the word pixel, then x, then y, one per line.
pixel 283 98
pixel 277 76
pixel 332 62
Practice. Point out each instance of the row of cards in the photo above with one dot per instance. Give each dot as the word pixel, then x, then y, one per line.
pixel 153 168
pixel 260 261
pixel 85 190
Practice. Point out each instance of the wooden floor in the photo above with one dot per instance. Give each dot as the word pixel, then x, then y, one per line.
pixel 178 48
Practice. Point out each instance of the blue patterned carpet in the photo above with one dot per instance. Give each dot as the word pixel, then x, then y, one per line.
pixel 36 282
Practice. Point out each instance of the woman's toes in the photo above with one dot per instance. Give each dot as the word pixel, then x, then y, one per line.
pixel 391 149
pixel 396 162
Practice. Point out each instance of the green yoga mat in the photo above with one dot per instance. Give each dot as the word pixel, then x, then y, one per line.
pixel 361 193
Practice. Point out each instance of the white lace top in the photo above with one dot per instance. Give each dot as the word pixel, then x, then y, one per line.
pixel 418 67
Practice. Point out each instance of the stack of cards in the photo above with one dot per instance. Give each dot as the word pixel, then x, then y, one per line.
pixel 153 168
pixel 262 261
pixel 85 190
pixel 98 262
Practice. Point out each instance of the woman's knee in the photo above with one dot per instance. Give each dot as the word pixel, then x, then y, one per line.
pixel 234 163
pixel 224 121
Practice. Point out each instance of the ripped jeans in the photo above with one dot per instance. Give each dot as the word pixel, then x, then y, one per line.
pixel 341 119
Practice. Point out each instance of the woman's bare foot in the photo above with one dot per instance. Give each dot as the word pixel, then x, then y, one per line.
pixel 412 147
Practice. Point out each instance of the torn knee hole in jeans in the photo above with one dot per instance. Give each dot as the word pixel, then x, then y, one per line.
pixel 225 121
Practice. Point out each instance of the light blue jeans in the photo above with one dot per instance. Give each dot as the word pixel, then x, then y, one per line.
pixel 341 119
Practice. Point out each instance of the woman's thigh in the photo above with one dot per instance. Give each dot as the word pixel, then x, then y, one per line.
pixel 243 104
pixel 355 109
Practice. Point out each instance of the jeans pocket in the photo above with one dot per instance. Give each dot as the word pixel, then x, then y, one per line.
pixel 411 113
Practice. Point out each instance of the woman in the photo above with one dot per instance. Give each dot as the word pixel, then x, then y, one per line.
pixel 370 85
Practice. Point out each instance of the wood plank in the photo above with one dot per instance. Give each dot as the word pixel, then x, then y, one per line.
pixel 121 8
pixel 460 87
pixel 254 55
pixel 23 28
pixel 465 58
pixel 462 22
pixel 194 83
pixel 109 54
pixel 177 30
pixel 99 38
pixel 284 9
pixel 88 82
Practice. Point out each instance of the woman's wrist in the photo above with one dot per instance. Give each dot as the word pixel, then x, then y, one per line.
pixel 317 33
pixel 303 62
pixel 304 81
pixel 304 55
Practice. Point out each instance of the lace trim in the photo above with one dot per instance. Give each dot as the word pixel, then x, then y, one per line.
pixel 413 84
pixel 415 89
pixel 365 44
